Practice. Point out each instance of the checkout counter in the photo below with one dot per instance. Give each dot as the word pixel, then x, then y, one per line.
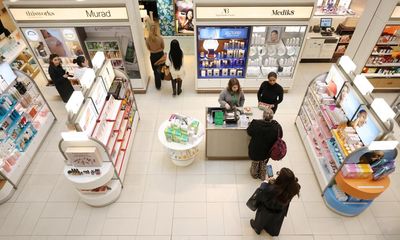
pixel 229 141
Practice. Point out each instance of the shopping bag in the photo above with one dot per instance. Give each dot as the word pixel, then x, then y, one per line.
pixel 252 203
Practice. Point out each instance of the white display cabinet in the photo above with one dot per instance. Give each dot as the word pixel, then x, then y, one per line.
pixel 280 55
pixel 97 154
pixel 25 120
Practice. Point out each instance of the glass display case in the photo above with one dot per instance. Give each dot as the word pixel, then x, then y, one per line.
pixel 274 49
pixel 222 51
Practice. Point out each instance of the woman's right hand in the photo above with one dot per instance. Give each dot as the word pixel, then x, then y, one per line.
pixel 65 76
pixel 227 106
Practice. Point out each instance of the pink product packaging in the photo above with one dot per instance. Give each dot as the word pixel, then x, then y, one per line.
pixel 350 170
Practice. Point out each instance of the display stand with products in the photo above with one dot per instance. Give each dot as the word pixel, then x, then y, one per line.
pixel 111 49
pixel 345 36
pixel 383 66
pixel 346 139
pixel 97 154
pixel 25 120
pixel 248 49
pixel 16 53
pixel 181 136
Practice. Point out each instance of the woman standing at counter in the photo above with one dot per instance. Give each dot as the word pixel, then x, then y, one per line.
pixel 60 78
pixel 232 95
pixel 263 135
pixel 270 92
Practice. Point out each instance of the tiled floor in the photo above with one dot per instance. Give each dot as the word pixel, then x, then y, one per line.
pixel 203 201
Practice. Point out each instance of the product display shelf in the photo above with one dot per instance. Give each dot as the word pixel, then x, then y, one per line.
pixel 383 66
pixel 90 181
pixel 342 149
pixel 127 146
pixel 315 160
pixel 113 54
pixel 114 144
pixel 25 159
pixel 100 199
pixel 350 195
pixel 40 124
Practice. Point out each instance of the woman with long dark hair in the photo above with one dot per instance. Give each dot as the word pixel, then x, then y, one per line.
pixel 60 78
pixel 273 202
pixel 176 68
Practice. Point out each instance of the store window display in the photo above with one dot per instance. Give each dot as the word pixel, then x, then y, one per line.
pixel 53 42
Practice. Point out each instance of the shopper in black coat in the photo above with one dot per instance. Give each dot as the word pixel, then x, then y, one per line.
pixel 263 135
pixel 270 92
pixel 60 78
pixel 273 202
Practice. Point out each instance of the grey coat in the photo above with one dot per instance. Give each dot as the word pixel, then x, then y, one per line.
pixel 226 97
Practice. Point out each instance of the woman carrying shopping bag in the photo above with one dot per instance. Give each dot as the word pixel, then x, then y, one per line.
pixel 272 201
pixel 264 134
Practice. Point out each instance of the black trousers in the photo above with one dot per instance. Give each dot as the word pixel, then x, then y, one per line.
pixel 154 57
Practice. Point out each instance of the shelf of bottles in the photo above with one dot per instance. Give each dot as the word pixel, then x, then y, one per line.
pixel 384 60
pixel 25 118
pixel 222 52
pixel 111 49
pixel 274 49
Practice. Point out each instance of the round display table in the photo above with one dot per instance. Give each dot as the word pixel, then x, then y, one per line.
pixel 181 154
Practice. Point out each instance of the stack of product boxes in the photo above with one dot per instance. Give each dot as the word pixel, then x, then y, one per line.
pixel 357 170
pixel 181 129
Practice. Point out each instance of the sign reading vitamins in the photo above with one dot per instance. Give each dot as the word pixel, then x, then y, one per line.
pixel 280 12
pixel 46 14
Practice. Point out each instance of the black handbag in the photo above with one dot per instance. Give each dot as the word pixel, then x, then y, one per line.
pixel 252 203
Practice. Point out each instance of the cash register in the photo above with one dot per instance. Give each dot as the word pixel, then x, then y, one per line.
pixel 326 26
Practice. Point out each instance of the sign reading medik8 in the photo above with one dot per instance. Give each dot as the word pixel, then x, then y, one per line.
pixel 46 14
pixel 280 12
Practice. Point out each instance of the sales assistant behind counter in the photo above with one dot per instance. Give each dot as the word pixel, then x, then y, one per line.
pixel 232 96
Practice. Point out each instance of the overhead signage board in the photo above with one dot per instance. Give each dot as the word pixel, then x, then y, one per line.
pixel 69 14
pixel 270 12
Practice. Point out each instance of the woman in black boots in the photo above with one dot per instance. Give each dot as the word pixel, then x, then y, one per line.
pixel 176 68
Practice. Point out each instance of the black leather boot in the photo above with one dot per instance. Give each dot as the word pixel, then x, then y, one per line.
pixel 179 87
pixel 173 82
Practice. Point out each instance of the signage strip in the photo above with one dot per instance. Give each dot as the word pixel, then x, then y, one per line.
pixel 271 12
pixel 87 13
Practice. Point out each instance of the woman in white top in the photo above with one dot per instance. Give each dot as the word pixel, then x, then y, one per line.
pixel 83 65
pixel 176 68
